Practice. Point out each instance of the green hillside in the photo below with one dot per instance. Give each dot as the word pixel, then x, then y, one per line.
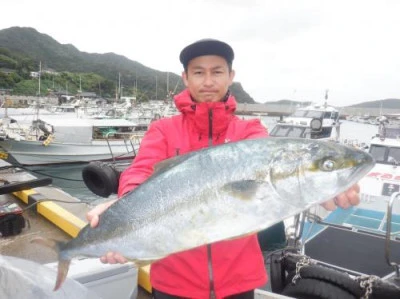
pixel 384 103
pixel 22 50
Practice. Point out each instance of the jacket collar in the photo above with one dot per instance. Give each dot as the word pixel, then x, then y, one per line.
pixel 199 113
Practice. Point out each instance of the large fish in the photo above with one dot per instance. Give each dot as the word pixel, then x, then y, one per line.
pixel 218 193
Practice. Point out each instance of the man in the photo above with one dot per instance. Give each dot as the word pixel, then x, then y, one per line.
pixel 230 268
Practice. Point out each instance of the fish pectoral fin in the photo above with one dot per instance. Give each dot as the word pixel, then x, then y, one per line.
pixel 244 190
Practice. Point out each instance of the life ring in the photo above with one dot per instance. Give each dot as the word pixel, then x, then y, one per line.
pixel 316 124
pixel 101 178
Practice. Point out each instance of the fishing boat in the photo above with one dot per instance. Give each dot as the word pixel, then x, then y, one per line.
pixel 384 179
pixel 314 121
pixel 352 253
pixel 58 139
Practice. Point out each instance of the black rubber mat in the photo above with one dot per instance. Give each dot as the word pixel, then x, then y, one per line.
pixel 356 251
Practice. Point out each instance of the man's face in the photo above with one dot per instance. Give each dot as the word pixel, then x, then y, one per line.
pixel 208 78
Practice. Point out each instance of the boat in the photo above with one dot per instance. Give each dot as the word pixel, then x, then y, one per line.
pixel 314 121
pixel 351 253
pixel 384 179
pixel 57 139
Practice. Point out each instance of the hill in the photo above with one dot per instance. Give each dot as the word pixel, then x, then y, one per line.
pixel 22 49
pixel 384 103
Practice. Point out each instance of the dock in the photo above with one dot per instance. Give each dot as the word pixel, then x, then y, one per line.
pixel 52 213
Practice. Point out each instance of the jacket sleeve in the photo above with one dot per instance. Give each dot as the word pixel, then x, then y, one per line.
pixel 153 148
pixel 255 129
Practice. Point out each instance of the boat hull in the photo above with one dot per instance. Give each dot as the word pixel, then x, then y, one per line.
pixel 28 153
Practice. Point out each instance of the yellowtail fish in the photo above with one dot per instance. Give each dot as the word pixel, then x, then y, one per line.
pixel 217 193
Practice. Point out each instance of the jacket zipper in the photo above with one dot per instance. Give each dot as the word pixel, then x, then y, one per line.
pixel 210 130
pixel 209 256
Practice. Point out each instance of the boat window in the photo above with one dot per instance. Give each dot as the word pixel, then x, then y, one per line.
pixel 324 133
pixel 299 113
pixel 314 114
pixel 295 132
pixel 287 131
pixel 392 132
pixel 394 155
pixel 279 131
pixel 327 115
pixel 378 152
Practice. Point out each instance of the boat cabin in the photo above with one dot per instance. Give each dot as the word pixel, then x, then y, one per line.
pixel 314 122
pixel 83 130
pixel 385 146
pixel 384 178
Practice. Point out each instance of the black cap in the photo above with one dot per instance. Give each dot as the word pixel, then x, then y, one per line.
pixel 206 46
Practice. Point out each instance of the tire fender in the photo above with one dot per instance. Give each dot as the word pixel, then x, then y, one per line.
pixel 308 288
pixel 100 178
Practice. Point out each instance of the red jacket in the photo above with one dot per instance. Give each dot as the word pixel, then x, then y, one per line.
pixel 237 265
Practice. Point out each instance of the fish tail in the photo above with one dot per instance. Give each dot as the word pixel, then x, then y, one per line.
pixel 63 264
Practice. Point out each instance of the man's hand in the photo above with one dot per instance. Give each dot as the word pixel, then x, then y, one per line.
pixel 350 197
pixel 93 218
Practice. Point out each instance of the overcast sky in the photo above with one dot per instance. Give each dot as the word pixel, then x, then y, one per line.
pixel 284 49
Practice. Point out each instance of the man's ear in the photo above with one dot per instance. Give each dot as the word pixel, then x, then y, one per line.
pixel 231 76
pixel 184 78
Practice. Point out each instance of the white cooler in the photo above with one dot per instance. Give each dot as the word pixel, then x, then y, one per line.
pixel 107 281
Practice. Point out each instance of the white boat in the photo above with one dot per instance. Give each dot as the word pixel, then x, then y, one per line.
pixel 314 122
pixel 384 179
pixel 347 253
pixel 57 140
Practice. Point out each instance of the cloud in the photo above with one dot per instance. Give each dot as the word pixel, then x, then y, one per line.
pixel 306 46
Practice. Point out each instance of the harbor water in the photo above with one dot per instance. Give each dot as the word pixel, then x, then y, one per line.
pixel 69 177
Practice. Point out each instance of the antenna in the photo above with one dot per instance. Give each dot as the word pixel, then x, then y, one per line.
pixel 326 98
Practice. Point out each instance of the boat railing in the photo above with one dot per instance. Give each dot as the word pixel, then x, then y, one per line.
pixel 131 140
pixel 395 265
pixel 295 231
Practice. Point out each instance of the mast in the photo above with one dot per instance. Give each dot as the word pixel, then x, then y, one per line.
pixel 38 101
pixel 40 74
pixel 326 98
pixel 119 86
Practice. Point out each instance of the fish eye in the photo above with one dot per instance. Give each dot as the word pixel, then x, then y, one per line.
pixel 328 165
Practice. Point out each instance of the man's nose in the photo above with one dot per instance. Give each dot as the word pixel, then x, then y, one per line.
pixel 208 79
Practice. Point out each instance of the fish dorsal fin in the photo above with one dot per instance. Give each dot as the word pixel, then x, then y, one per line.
pixel 168 163
pixel 245 189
